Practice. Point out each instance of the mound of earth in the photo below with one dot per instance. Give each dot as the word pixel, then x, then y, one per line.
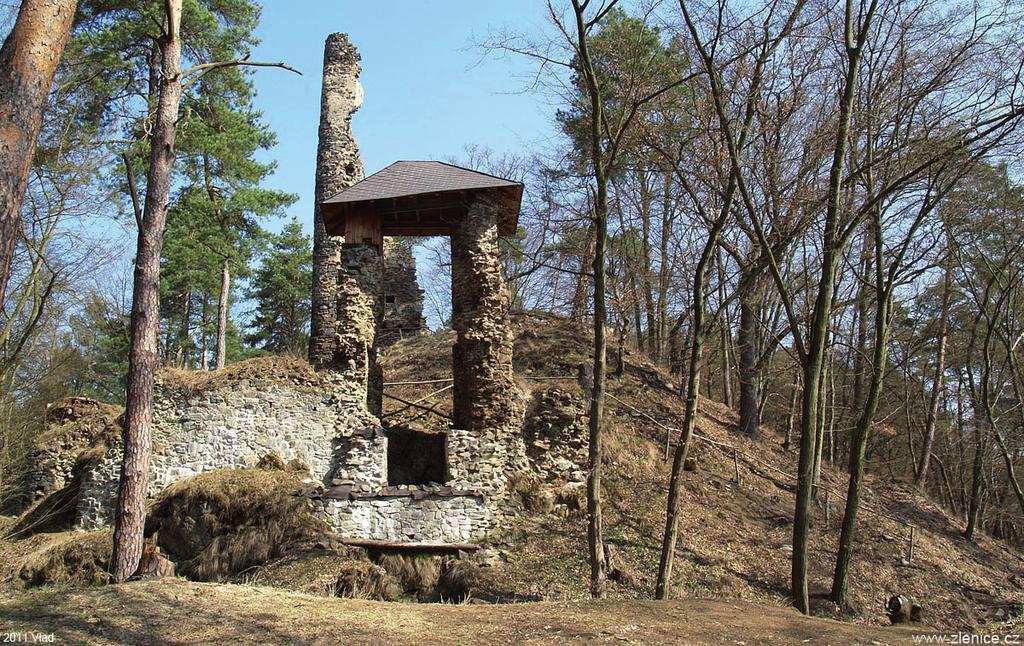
pixel 735 536
pixel 58 558
pixel 217 524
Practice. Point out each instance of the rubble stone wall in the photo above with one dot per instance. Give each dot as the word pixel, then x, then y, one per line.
pixel 403 518
pixel 359 312
pixel 403 298
pixel 556 435
pixel 327 428
pixel 338 166
pixel 362 457
pixel 484 395
pixel 234 426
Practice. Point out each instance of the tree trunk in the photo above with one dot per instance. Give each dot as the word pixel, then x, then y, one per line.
pixel 821 316
pixel 819 443
pixel 791 414
pixel 690 391
pixel 936 391
pixel 860 351
pixel 1011 472
pixel 145 322
pixel 204 350
pixel 28 63
pixel 975 502
pixel 222 315
pixel 663 268
pixel 724 335
pixel 723 342
pixel 182 359
pixel 595 525
pixel 645 272
pixel 579 297
pixel 750 410
pixel 860 441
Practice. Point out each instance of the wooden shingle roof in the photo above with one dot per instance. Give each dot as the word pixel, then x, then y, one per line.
pixel 422 198
pixel 405 178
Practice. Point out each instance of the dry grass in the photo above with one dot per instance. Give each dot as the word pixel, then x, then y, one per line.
pixel 734 537
pixel 80 420
pixel 222 522
pixel 366 580
pixel 178 612
pixel 309 570
pixel 61 559
pixel 291 370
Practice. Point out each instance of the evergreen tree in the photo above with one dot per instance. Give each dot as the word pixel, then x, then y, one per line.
pixel 219 210
pixel 280 289
pixel 99 337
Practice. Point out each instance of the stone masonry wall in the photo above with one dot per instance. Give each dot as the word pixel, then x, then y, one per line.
pixel 328 428
pixel 485 396
pixel 234 426
pixel 359 312
pixel 338 166
pixel 403 299
pixel 402 518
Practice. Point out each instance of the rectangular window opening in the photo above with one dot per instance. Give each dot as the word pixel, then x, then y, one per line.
pixel 416 457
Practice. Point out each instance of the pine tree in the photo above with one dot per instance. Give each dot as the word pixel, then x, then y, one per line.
pixel 280 289
pixel 220 208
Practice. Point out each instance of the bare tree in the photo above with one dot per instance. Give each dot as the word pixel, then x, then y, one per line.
pixel 28 62
pixel 599 163
pixel 938 380
pixel 735 134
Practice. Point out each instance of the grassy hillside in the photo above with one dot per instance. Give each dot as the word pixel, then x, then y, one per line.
pixel 732 565
pixel 735 537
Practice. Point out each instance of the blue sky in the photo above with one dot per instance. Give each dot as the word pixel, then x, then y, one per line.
pixel 428 93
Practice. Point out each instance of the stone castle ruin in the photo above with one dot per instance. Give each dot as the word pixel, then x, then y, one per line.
pixel 396 485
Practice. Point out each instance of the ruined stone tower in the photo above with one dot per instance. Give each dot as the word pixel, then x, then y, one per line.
pixel 403 299
pixel 338 166
pixel 350 280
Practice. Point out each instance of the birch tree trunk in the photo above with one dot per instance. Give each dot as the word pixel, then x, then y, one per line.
pixel 222 314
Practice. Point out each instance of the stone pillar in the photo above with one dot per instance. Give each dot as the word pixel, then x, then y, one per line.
pixel 484 393
pixel 358 315
pixel 338 166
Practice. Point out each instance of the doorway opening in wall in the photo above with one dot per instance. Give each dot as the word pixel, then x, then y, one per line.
pixel 416 368
pixel 416 457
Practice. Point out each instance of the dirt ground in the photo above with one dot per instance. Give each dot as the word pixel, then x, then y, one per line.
pixel 173 611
